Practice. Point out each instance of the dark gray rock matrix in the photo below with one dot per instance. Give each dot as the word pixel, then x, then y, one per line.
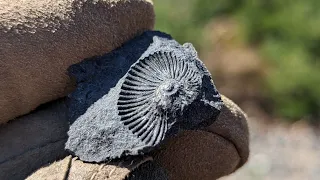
pixel 129 101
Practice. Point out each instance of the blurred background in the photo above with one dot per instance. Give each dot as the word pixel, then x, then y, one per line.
pixel 264 55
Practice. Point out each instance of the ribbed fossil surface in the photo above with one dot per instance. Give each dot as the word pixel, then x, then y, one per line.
pixel 154 91
pixel 127 102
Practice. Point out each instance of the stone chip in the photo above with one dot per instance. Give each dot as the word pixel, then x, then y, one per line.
pixel 129 101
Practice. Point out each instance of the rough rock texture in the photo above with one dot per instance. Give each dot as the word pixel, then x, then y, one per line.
pixel 150 89
pixel 208 154
pixel 39 40
pixel 33 141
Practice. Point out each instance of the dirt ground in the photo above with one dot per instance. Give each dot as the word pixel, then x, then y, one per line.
pixel 281 152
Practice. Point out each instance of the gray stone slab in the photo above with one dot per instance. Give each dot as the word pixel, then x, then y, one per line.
pixel 129 101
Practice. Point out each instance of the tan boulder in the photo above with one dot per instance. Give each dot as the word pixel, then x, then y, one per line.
pixel 39 40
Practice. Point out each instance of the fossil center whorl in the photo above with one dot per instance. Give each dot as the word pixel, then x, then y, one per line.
pixel 168 88
pixel 155 91
pixel 166 93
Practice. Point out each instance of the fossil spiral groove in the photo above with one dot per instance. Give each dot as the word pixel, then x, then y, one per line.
pixel 156 88
pixel 129 101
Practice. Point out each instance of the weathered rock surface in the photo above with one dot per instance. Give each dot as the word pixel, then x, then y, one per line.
pixel 129 101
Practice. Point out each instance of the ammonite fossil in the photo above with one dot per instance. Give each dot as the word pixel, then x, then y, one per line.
pixel 154 91
pixel 155 94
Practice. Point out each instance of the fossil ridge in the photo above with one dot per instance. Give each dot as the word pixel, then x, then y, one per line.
pixel 129 101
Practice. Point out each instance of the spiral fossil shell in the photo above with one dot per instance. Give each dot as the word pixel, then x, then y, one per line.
pixel 155 91
pixel 129 101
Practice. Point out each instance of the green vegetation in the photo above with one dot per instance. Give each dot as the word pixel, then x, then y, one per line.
pixel 286 33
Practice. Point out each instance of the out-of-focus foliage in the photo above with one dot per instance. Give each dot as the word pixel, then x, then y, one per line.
pixel 175 18
pixel 286 33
